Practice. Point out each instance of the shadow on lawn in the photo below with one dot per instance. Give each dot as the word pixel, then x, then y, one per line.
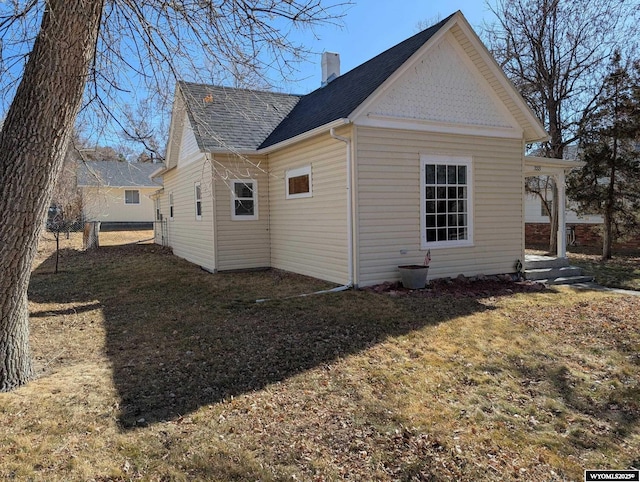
pixel 180 338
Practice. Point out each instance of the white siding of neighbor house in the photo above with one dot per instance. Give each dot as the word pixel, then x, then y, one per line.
pixel 190 238
pixel 106 204
pixel 388 197
pixel 533 213
pixel 241 244
pixel 309 235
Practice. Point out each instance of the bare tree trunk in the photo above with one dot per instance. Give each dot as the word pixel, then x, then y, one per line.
pixel 32 147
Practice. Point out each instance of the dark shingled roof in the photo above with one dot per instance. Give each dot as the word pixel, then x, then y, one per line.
pixel 228 118
pixel 116 174
pixel 224 117
pixel 343 95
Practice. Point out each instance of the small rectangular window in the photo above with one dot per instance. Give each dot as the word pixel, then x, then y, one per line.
pixel 131 196
pixel 198 199
pixel 158 213
pixel 298 183
pixel 244 200
pixel 170 205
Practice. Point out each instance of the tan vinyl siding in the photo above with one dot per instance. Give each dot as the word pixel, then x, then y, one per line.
pixel 190 238
pixel 107 204
pixel 388 194
pixel 242 244
pixel 309 235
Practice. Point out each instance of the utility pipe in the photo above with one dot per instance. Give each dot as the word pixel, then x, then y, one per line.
pixel 349 284
pixel 348 143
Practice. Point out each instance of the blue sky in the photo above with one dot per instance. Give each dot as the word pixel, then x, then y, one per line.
pixel 371 27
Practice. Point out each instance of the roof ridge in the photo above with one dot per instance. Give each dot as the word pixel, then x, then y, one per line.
pixel 238 89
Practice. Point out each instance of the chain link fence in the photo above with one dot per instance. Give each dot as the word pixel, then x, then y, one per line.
pixel 97 233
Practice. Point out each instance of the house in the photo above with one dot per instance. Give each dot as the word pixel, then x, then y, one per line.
pixel 582 229
pixel 420 148
pixel 118 193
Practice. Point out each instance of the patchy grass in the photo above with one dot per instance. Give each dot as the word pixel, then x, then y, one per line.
pixel 622 271
pixel 149 368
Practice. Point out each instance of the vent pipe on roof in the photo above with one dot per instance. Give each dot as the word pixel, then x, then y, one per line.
pixel 330 67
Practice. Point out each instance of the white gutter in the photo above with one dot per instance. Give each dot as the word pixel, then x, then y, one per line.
pixel 348 142
pixel 305 135
pixel 287 142
pixel 161 171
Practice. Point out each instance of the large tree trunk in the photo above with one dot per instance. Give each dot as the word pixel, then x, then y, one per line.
pixel 32 147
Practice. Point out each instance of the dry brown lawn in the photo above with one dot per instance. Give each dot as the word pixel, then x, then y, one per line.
pixel 150 368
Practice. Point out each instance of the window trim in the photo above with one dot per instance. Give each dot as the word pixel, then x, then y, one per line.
pixel 446 160
pixel 254 198
pixel 171 206
pixel 125 197
pixel 198 200
pixel 298 172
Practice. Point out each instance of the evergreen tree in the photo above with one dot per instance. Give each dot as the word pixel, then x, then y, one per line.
pixel 609 184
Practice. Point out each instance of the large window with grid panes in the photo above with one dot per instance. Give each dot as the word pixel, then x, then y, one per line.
pixel 446 201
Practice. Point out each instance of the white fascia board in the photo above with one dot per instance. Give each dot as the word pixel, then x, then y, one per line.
pixel 540 132
pixel 391 122
pixel 537 166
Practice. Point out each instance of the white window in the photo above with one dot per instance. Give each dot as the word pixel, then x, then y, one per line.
pixel 447 202
pixel 131 196
pixel 244 200
pixel 298 183
pixel 171 205
pixel 198 200
pixel 158 212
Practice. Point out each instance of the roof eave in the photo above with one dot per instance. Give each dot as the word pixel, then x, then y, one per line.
pixel 538 132
pixel 535 165
pixel 305 135
pixel 161 172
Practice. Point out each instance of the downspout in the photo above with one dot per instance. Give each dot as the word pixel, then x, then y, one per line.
pixel 208 159
pixel 347 141
pixel 350 269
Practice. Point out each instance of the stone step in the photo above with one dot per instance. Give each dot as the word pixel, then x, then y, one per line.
pixel 539 262
pixel 552 273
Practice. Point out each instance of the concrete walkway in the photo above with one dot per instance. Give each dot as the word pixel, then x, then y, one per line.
pixel 597 287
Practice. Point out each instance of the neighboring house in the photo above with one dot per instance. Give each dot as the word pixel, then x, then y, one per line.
pixel 583 230
pixel 118 193
pixel 535 212
pixel 420 148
